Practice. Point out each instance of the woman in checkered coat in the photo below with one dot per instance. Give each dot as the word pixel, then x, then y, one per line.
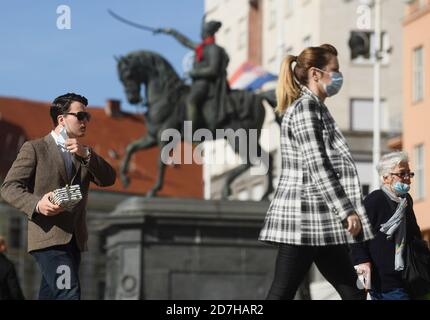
pixel 317 208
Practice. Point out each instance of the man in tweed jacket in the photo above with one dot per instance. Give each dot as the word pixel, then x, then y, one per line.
pixel 57 236
pixel 317 208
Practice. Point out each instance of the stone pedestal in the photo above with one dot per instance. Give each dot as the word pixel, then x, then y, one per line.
pixel 186 249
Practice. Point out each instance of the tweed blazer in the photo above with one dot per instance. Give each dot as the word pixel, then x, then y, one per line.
pixel 38 169
pixel 319 185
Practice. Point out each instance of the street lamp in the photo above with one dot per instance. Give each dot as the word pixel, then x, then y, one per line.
pixel 359 44
pixel 377 94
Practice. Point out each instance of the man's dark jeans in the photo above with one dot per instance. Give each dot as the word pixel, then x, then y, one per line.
pixel 60 271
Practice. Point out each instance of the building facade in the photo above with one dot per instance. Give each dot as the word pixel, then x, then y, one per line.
pixel 416 133
pixel 275 28
pixel 265 31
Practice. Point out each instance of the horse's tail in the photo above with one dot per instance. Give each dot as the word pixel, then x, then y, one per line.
pixel 270 97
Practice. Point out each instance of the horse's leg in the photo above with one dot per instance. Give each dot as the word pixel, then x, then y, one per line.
pixel 231 177
pixel 242 168
pixel 160 180
pixel 269 188
pixel 161 164
pixel 236 171
pixel 264 155
pixel 146 141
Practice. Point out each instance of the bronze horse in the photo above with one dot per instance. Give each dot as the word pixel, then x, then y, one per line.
pixel 165 96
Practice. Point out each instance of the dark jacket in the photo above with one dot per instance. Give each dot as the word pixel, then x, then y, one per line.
pixel 9 286
pixel 379 251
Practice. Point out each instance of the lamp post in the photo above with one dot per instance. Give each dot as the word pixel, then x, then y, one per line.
pixel 377 94
pixel 280 37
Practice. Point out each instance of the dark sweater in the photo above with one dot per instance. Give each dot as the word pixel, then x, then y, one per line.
pixel 379 251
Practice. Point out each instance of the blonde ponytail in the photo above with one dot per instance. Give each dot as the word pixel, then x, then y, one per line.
pixel 287 89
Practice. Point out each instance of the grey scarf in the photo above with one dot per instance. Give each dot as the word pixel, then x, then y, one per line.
pixel 396 226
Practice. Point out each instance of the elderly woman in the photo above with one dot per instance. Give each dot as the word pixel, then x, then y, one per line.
pixel 391 214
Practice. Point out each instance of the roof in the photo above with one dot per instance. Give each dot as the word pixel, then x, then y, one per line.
pixel 22 120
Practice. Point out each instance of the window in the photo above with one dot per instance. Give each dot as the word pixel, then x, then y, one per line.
pixel 419 172
pixel 365 172
pixel 365 188
pixel 418 75
pixel 362 115
pixel 271 63
pixel 289 5
pixel 212 5
pixel 241 43
pixel 272 14
pixel 227 38
pixel 288 51
pixel 307 42
pixel 15 233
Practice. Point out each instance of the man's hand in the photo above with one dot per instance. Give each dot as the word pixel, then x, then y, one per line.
pixel 354 224
pixel 75 147
pixel 46 207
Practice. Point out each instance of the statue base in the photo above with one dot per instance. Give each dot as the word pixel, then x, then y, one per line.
pixel 164 248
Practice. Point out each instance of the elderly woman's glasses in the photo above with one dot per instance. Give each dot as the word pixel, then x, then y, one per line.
pixel 403 175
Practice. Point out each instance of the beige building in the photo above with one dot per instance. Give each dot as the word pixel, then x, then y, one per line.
pixel 416 132
pixel 264 31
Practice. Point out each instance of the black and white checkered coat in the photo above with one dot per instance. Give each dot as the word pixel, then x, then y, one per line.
pixel 319 184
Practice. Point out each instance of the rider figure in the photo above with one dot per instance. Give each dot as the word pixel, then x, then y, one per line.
pixel 209 73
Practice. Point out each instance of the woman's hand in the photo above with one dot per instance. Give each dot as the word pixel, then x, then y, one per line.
pixel 354 224
pixel 364 269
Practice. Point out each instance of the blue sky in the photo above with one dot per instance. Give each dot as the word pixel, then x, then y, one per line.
pixel 39 62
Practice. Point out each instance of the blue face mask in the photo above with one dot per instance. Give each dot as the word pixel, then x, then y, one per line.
pixel 335 85
pixel 401 188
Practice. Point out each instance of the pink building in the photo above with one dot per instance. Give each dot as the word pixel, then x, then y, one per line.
pixel 416 115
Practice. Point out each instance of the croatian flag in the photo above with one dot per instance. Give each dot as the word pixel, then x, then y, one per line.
pixel 250 77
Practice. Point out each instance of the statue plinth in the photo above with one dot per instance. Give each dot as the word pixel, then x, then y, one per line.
pixel 164 248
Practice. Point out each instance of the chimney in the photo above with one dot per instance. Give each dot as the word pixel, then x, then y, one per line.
pixel 113 108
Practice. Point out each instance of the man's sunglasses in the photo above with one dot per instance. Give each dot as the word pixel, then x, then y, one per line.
pixel 403 174
pixel 81 115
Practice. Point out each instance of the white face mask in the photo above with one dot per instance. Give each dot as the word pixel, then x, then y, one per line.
pixel 400 188
pixel 63 133
pixel 335 85
pixel 63 136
